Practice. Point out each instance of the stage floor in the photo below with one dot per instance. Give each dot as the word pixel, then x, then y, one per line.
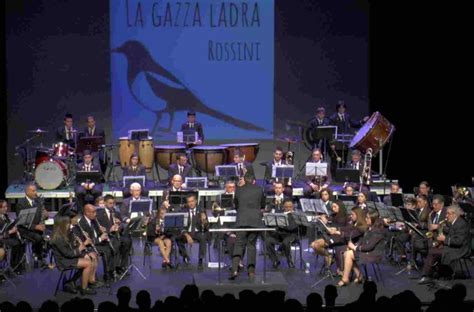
pixel 36 286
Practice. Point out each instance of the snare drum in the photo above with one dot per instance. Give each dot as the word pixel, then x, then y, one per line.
pixel 50 174
pixel 42 154
pixel 126 149
pixel 373 134
pixel 250 150
pixel 145 153
pixel 165 155
pixel 61 150
pixel 206 158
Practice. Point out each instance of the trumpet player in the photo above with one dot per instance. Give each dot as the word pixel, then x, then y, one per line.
pixel 158 234
pixel 10 237
pixel 243 167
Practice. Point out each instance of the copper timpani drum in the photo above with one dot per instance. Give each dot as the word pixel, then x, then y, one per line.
pixel 165 155
pixel 50 174
pixel 126 149
pixel 145 153
pixel 250 150
pixel 373 134
pixel 206 158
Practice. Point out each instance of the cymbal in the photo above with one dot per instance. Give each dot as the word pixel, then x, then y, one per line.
pixel 38 131
pixel 288 139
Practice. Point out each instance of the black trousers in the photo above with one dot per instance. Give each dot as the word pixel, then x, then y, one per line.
pixel 37 242
pixel 107 259
pixel 122 247
pixel 245 240
pixel 82 194
pixel 17 250
pixel 284 240
pixel 201 237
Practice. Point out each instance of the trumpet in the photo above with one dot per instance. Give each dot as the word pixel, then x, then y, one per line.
pixel 366 177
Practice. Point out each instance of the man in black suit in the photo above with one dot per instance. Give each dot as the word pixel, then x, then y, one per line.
pixel 343 121
pixel 87 188
pixel 249 202
pixel 194 232
pixel 176 186
pixel 92 130
pixel 276 205
pixel 243 167
pixel 284 236
pixel 9 237
pixel 319 120
pixel 121 240
pixel 37 228
pixel 276 161
pixel 67 134
pixel 193 124
pixel 135 194
pixel 181 167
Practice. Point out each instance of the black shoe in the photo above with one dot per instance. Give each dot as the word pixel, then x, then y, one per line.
pixel 88 291
pixel 233 276
pixel 164 265
pixel 119 270
pixel 170 266
pixel 97 284
pixel 200 266
pixel 291 265
pixel 70 288
pixel 276 264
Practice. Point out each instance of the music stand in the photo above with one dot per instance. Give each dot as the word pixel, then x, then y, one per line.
pixel 135 225
pixel 187 136
pixel 308 205
pixel 316 169
pixel 92 144
pixel 347 175
pixel 226 171
pixel 349 205
pixel 328 133
pixel 384 213
pixel 397 199
pixel 283 171
pixel 88 177
pixel 276 219
pixel 129 180
pixel 226 201
pixel 178 198
pixel 141 206
pixel 196 182
pixel 138 134
pixel 408 216
pixel 320 208
pixel 25 217
pixel 344 198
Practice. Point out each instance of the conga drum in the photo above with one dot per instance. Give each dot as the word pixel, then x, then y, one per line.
pixel 373 134
pixel 250 150
pixel 145 153
pixel 165 155
pixel 126 149
pixel 206 158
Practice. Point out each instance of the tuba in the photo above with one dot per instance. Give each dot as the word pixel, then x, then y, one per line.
pixel 366 177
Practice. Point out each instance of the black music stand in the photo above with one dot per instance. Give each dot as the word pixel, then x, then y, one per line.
pixel 141 206
pixel 320 208
pixel 282 172
pixel 397 199
pixel 176 222
pixel 178 198
pixel 227 171
pixel 276 219
pixel 129 180
pixel 93 144
pixel 324 134
pixel 187 136
pixel 347 175
pixel 138 134
pixel 88 177
pixel 196 182
pixel 25 217
pixel 344 198
pixel 349 205
pixel 408 217
pixel 226 201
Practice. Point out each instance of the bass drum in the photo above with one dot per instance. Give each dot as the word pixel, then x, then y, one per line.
pixel 51 174
pixel 126 149
pixel 374 134
pixel 145 153
pixel 250 151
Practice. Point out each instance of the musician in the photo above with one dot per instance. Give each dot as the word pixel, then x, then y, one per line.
pixel 425 189
pixel 181 167
pixel 176 186
pixel 452 243
pixel 283 236
pixel 348 190
pixel 135 194
pixel 197 230
pixel 229 189
pixel 276 161
pixel 38 228
pixel 316 183
pixel 243 167
pixel 370 248
pixel 399 235
pixel 437 214
pixel 135 168
pixel 279 198
pixel 362 201
pixel 91 130
pixel 325 200
pixel 319 120
pixel 162 237
pixel 356 161
pixel 249 201
pixel 10 237
pixel 70 251
pixel 88 227
pixel 191 123
pixel 343 121
pixel 67 133
pixel 121 240
pixel 394 189
pixel 88 188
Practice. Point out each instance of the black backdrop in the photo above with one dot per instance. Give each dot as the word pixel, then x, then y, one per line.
pixel 416 64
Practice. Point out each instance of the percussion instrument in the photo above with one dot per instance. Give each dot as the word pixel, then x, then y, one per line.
pixel 250 150
pixel 165 155
pixel 206 158
pixel 42 154
pixel 126 149
pixel 145 153
pixel 50 174
pixel 61 150
pixel 373 134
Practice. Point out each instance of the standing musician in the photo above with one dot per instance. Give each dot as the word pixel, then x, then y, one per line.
pixel 279 198
pixel 197 230
pixel 452 243
pixel 249 201
pixel 91 130
pixel 88 227
pixel 121 240
pixel 162 237
pixel 181 167
pixel 343 121
pixel 243 167
pixel 135 168
pixel 191 123
pixel 71 251
pixel 66 133
pixel 88 189
pixel 176 186
pixel 36 231
pixel 319 120
pixel 370 248
pixel 10 237
pixel 283 236
pixel 316 183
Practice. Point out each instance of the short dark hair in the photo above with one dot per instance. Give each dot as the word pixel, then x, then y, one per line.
pixel 86 153
pixel 286 200
pixel 395 184
pixel 316 149
pixel 108 196
pixel 425 183
pixel 411 200
pixel 67 116
pixel 356 152
pixel 278 182
pixel 29 184
pixel 191 195
pixel 439 198
pixel 179 155
pixel 320 110
pixel 238 153
pixel 2 201
pixel 249 177
pixel 98 199
pixel 191 113
pixel 278 149
pixel 340 104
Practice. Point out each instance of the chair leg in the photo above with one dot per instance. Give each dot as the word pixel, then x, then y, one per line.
pixel 58 283
pixel 301 257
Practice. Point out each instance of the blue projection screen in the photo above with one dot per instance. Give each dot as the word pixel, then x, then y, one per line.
pixel 213 57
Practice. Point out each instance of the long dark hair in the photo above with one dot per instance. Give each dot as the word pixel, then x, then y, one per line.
pixel 360 223
pixel 376 222
pixel 61 228
pixel 341 215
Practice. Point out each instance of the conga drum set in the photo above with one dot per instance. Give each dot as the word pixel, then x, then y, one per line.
pixel 143 148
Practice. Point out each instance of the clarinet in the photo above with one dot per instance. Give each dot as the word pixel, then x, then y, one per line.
pixel 94 249
pixel 108 239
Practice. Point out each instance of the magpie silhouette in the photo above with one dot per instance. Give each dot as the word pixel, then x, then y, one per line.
pixel 167 87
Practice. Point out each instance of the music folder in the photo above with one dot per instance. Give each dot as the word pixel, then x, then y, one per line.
pixel 196 182
pixel 226 171
pixel 187 136
pixel 347 175
pixel 129 180
pixel 138 134
pixel 176 220
pixel 276 219
pixel 226 201
pixel 141 207
pixel 26 216
pixel 328 133
pixel 88 177
pixel 397 199
pixel 308 205
pixel 344 198
pixel 283 171
pixel 178 198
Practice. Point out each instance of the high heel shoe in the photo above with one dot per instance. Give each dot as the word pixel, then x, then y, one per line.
pixel 359 279
pixel 342 283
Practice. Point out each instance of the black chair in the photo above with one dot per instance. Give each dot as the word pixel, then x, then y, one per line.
pixel 463 265
pixel 297 243
pixel 375 268
pixel 64 270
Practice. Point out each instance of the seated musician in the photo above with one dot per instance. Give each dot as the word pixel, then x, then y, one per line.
pixel 86 190
pixel 176 186
pixel 277 202
pixel 362 201
pixel 136 193
pixel 370 248
pixel 191 123
pixel 181 167
pixel 88 227
pixel 283 236
pixel 66 133
pixel 452 243
pixel 242 166
pixel 315 184
pixel 276 161
pixel 348 190
pixel 121 240
pixel 229 189
pixel 11 239
pixel 420 245
pixel 343 121
pixel 425 189
pixel 38 228
pixel 70 251
pixel 197 230
pixel 336 220
pixel 394 189
pixel 135 168
pixel 162 237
